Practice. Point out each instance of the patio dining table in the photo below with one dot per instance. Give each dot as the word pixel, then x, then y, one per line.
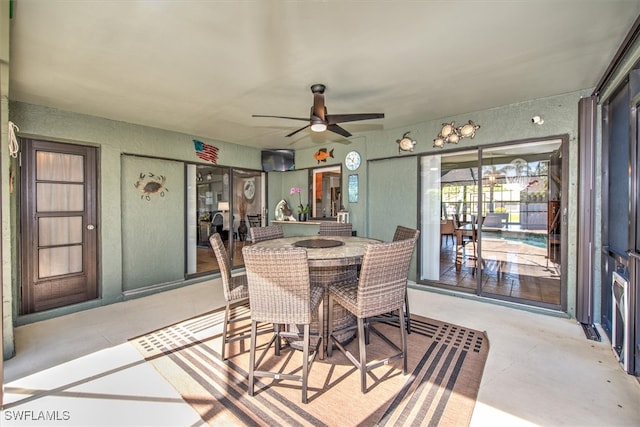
pixel 331 259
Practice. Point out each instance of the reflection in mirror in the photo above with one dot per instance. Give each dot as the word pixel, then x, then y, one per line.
pixel 326 191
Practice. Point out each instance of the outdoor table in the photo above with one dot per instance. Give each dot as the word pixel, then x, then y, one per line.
pixel 331 259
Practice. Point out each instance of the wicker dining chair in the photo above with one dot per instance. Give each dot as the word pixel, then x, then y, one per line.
pixel 476 222
pixel 280 292
pixel 404 233
pixel 331 228
pixel 236 293
pixel 255 220
pixel 379 290
pixel 258 234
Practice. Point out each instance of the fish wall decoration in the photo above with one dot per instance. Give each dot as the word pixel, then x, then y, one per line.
pixel 322 155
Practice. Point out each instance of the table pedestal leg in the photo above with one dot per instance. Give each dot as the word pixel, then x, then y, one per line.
pixel 324 276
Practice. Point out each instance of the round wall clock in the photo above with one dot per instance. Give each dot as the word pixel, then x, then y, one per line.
pixel 249 190
pixel 352 160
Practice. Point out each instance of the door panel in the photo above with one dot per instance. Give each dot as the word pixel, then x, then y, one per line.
pixel 519 231
pixel 59 235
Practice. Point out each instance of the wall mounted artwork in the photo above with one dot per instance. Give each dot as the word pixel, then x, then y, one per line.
pixel 353 188
pixel 450 134
pixel 206 152
pixel 406 143
pixel 150 184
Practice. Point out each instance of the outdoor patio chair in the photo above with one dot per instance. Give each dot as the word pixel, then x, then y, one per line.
pixel 255 220
pixel 330 228
pixel 404 233
pixel 258 234
pixel 236 293
pixel 447 229
pixel 456 225
pixel 380 289
pixel 498 220
pixel 474 240
pixel 281 294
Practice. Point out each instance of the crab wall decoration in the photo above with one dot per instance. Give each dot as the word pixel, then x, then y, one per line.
pixel 153 184
pixel 451 135
pixel 405 143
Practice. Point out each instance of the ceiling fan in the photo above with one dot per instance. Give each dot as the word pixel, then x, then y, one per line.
pixel 319 120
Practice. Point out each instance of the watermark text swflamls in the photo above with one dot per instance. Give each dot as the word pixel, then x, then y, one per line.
pixel 31 415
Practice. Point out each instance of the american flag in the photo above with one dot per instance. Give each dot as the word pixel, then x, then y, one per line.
pixel 206 152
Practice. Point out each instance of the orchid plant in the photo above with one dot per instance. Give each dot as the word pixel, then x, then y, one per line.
pixel 297 190
pixel 301 208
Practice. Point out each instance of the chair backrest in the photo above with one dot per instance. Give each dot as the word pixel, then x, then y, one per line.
pixel 456 221
pixel 330 228
pixel 474 228
pixel 255 220
pixel 383 277
pixel 446 227
pixel 279 287
pixel 258 234
pixel 404 233
pixel 218 219
pixel 496 220
pixel 223 262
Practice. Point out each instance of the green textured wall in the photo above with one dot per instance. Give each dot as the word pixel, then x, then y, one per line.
pixel 392 200
pixel 153 232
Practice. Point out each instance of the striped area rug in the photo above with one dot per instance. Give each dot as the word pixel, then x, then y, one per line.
pixel 446 362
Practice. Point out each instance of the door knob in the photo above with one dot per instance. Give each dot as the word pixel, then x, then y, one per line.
pixel 90 227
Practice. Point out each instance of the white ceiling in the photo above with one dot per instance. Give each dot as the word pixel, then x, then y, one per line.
pixel 203 67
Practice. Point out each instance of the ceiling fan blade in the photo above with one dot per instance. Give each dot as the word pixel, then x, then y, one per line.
pixel 296 131
pixel 305 119
pixel 337 129
pixel 343 118
pixel 318 117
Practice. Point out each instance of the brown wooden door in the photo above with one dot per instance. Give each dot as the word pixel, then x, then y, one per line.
pixel 58 225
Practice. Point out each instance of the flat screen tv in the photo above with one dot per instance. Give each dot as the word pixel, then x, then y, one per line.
pixel 278 160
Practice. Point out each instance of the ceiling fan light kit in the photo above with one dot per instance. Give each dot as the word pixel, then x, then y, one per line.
pixel 319 120
pixel 449 134
pixel 317 125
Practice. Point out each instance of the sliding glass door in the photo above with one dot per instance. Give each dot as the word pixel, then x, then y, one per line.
pixel 225 201
pixel 499 213
pixel 519 226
